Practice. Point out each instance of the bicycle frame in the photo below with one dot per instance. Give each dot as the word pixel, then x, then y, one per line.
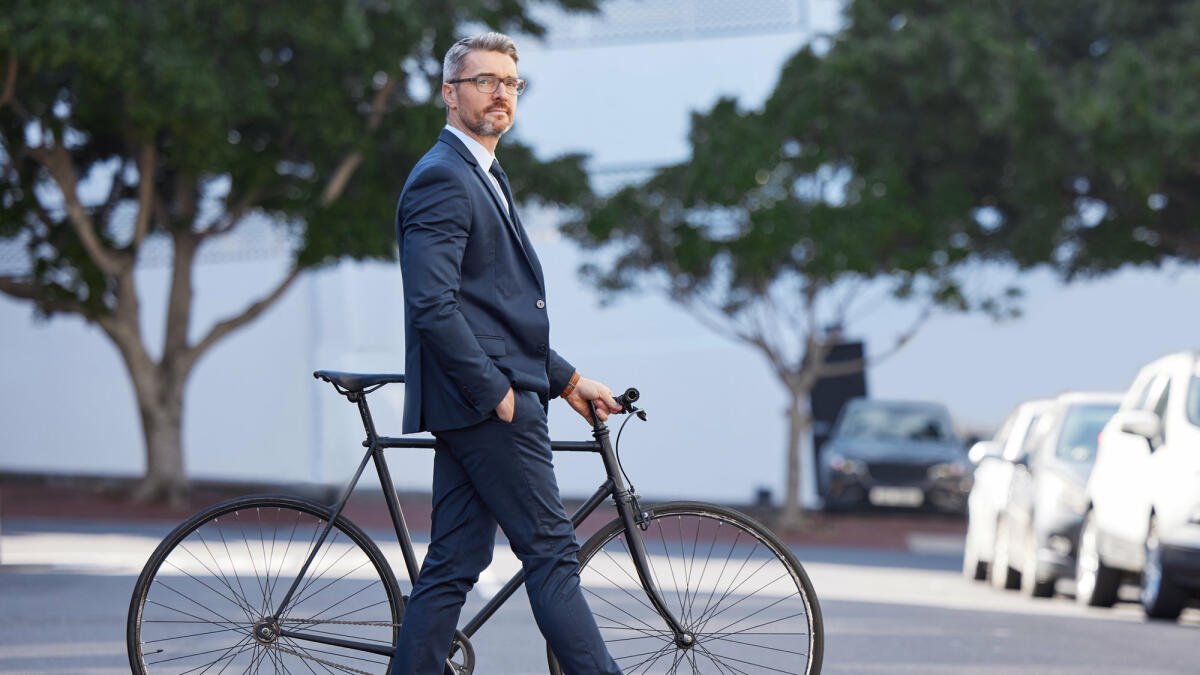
pixel 625 501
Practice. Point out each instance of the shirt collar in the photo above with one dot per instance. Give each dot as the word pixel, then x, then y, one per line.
pixel 480 153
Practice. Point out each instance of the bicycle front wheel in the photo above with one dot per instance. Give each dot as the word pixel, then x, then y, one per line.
pixel 731 582
pixel 209 598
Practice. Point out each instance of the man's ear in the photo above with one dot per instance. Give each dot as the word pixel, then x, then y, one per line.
pixel 449 95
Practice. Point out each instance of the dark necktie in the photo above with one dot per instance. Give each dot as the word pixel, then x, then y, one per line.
pixel 522 238
pixel 504 187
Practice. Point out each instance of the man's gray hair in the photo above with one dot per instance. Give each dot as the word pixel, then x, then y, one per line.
pixel 452 66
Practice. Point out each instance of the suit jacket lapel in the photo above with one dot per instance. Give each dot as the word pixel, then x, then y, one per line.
pixel 511 219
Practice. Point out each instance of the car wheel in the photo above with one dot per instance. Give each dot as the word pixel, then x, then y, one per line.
pixel 1161 598
pixel 974 569
pixel 1003 576
pixel 1096 584
pixel 1030 584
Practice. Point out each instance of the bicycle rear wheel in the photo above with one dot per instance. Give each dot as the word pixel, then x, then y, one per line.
pixel 206 598
pixel 738 589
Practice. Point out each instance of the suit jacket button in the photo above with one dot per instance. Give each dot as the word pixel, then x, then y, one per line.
pixel 542 349
pixel 541 304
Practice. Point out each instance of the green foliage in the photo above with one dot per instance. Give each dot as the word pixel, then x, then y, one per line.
pixel 1076 123
pixel 931 132
pixel 269 98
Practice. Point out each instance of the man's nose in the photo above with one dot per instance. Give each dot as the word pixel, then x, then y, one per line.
pixel 501 92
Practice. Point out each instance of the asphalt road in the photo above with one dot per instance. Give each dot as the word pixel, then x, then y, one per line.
pixel 64 593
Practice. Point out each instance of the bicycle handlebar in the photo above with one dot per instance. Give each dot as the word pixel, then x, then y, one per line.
pixel 626 400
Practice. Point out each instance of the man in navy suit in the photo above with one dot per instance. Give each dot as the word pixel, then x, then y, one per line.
pixel 480 373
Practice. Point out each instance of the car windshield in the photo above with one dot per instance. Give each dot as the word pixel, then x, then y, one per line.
pixel 895 423
pixel 1081 430
pixel 1193 401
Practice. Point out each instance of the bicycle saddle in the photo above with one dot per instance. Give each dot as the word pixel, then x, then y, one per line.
pixel 356 382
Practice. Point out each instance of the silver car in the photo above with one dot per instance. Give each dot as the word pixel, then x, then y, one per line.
pixel 1038 531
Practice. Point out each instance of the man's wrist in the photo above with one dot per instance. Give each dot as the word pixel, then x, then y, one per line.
pixel 570 385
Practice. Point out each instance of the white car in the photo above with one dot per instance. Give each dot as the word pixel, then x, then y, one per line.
pixel 994 461
pixel 1143 520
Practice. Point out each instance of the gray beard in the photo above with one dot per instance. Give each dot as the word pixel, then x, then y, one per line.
pixel 484 127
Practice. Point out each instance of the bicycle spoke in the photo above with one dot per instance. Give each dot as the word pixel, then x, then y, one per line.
pixel 744 597
pixel 768 648
pixel 229 556
pixel 286 550
pixel 220 572
pixel 670 567
pixel 651 658
pixel 714 612
pixel 720 575
pixel 225 651
pixel 191 635
pixel 721 665
pixel 725 631
pixel 234 600
pixel 258 578
pixel 317 592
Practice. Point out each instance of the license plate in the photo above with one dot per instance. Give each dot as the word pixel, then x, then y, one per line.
pixel 896 496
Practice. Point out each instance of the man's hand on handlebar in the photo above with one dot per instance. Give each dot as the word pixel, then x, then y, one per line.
pixel 600 395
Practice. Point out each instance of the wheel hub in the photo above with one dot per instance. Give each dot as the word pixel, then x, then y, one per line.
pixel 685 641
pixel 266 631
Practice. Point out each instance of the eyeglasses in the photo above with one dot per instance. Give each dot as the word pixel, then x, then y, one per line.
pixel 486 84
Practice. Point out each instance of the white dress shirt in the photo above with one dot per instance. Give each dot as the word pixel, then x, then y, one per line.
pixel 484 158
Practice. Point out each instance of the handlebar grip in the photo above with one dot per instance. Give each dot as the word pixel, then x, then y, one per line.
pixel 627 399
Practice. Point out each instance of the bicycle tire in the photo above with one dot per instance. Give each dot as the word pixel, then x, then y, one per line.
pixel 729 580
pixel 217 575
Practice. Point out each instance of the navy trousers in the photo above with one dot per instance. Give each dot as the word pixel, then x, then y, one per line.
pixel 488 474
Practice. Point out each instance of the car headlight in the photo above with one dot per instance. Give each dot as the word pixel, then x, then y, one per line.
pixel 1054 491
pixel 843 465
pixel 947 470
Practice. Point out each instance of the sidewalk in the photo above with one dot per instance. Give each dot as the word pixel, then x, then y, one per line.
pixel 43 499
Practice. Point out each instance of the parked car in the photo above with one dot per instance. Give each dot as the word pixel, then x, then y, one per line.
pixel 1143 510
pixel 994 464
pixel 1038 530
pixel 896 454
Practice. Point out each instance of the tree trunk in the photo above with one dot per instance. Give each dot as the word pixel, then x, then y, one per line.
pixel 158 391
pixel 798 423
pixel 162 427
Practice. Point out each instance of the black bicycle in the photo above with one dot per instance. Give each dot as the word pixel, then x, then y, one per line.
pixel 282 584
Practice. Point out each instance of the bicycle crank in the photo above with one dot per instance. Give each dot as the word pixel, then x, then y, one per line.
pixel 462 655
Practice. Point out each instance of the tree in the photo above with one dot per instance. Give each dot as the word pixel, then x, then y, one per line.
pixel 122 119
pixel 772 235
pixel 1062 134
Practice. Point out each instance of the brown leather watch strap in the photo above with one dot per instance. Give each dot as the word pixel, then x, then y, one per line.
pixel 570 385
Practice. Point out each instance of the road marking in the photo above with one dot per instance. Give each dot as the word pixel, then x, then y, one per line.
pixel 935 544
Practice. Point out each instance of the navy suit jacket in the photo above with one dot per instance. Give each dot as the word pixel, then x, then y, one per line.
pixel 475 316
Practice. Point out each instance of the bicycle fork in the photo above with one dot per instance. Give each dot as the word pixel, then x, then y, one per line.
pixel 632 517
